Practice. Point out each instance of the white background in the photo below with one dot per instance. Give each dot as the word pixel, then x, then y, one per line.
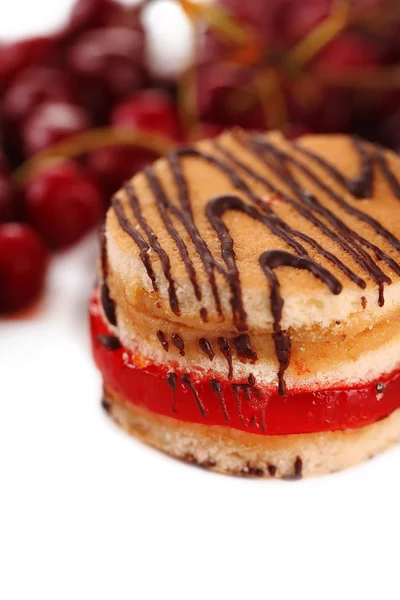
pixel 88 513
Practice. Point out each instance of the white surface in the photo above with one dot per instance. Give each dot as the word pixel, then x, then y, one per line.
pixel 87 513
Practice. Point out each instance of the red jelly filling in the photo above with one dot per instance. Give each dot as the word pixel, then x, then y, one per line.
pixel 241 405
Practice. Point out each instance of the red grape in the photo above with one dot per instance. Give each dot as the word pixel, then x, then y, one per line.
pixel 7 198
pixel 91 14
pixel 258 13
pixel 20 55
pixel 294 20
pixel 52 122
pixel 389 131
pixel 331 112
pixel 222 100
pixel 150 109
pixel 63 204
pixel 113 56
pixel 23 264
pixel 31 87
pixel 113 166
pixel 348 50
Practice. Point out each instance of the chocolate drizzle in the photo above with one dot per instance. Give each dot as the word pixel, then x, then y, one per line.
pixel 109 342
pixel 107 302
pixel 225 348
pixel 236 388
pixel 270 260
pixel 141 243
pixel 187 382
pixel 292 174
pixel 217 389
pixel 298 469
pixel 155 245
pixel 163 204
pixel 393 182
pixel 347 238
pixel 178 343
pixel 245 389
pixel 171 378
pixel 161 337
pixel 301 209
pixel 204 314
pixel 243 348
pixel 206 347
pixel 215 210
pixel 361 185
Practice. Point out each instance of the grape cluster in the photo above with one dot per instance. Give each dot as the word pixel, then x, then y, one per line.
pixel 309 65
pixel 90 74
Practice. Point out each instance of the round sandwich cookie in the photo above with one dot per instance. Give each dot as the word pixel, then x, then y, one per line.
pixel 246 317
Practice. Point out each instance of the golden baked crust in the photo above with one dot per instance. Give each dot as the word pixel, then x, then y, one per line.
pixel 325 327
pixel 234 452
pixel 252 238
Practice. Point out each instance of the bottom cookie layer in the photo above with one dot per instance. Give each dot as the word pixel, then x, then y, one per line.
pixel 234 452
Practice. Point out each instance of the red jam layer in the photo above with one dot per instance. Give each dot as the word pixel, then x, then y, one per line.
pixel 236 404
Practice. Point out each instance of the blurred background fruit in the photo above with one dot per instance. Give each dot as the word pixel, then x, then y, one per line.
pixel 110 57
pixel 52 122
pixel 23 263
pixel 63 203
pixel 66 99
pixel 150 109
pixel 7 202
pixel 317 65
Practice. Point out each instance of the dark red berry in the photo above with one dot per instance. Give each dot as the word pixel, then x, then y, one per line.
pixel 149 109
pixel 389 131
pixel 330 111
pixel 388 101
pixel 113 56
pixel 63 204
pixel 20 55
pixel 52 122
pixel 7 198
pixel 295 20
pixel 222 98
pixel 4 165
pixel 348 50
pixel 92 14
pixel 258 14
pixel 96 99
pixel 113 166
pixel 23 263
pixel 33 86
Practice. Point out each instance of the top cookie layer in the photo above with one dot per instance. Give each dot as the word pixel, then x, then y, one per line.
pixel 225 230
